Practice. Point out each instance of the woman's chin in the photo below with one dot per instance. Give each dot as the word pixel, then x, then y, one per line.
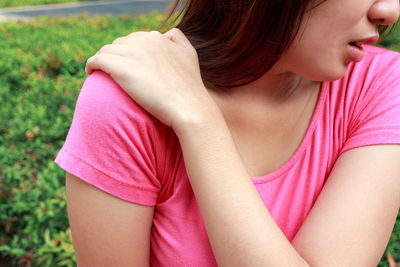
pixel 327 75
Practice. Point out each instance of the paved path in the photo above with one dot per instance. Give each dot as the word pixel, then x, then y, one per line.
pixel 114 8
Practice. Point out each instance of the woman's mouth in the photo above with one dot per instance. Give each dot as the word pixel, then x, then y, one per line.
pixel 356 51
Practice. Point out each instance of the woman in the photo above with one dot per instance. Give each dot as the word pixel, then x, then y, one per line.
pixel 290 94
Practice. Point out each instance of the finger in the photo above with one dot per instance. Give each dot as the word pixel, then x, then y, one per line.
pixel 117 49
pixel 177 36
pixel 108 63
pixel 137 34
pixel 130 37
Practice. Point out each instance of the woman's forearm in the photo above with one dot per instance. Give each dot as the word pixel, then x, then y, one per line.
pixel 241 230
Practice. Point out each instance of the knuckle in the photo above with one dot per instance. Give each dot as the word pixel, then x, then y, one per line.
pixel 135 34
pixel 132 34
pixel 155 33
pixel 116 41
pixel 90 61
pixel 104 48
pixel 119 40
pixel 97 58
pixel 176 31
pixel 93 60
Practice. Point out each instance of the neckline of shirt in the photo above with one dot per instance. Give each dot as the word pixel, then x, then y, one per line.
pixel 304 143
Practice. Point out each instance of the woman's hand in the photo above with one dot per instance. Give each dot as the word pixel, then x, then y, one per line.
pixel 160 72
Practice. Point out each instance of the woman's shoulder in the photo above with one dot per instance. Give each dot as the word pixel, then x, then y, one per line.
pixel 115 145
pixel 379 68
pixel 365 104
pixel 378 60
pixel 104 109
pixel 103 98
pixel 376 50
pixel 103 103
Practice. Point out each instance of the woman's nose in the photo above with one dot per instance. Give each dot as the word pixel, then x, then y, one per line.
pixel 384 12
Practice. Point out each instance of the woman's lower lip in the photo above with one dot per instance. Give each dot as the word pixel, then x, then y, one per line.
pixel 356 52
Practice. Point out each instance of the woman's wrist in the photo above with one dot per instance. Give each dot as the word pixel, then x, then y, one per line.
pixel 210 117
pixel 197 123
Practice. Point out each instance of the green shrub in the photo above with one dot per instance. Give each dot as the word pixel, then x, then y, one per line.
pixel 13 3
pixel 41 73
pixel 393 41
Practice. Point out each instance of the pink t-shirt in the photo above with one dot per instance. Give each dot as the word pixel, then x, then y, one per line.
pixel 118 147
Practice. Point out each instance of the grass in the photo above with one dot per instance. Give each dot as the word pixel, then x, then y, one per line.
pixel 41 72
pixel 17 3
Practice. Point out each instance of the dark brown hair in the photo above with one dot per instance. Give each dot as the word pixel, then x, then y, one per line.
pixel 237 41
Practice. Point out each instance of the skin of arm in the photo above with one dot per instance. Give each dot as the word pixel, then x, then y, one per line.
pixel 353 217
pixel 107 231
pixel 349 225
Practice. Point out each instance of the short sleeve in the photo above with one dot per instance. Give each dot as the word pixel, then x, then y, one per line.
pixel 111 143
pixel 376 119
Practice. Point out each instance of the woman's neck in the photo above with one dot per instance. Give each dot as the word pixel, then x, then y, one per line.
pixel 269 89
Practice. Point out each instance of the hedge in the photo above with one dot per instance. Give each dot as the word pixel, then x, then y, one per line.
pixel 41 73
pixel 15 3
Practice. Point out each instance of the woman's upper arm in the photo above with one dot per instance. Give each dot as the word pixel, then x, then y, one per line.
pixel 353 217
pixel 106 230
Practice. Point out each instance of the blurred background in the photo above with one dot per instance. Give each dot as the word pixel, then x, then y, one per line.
pixel 44 45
